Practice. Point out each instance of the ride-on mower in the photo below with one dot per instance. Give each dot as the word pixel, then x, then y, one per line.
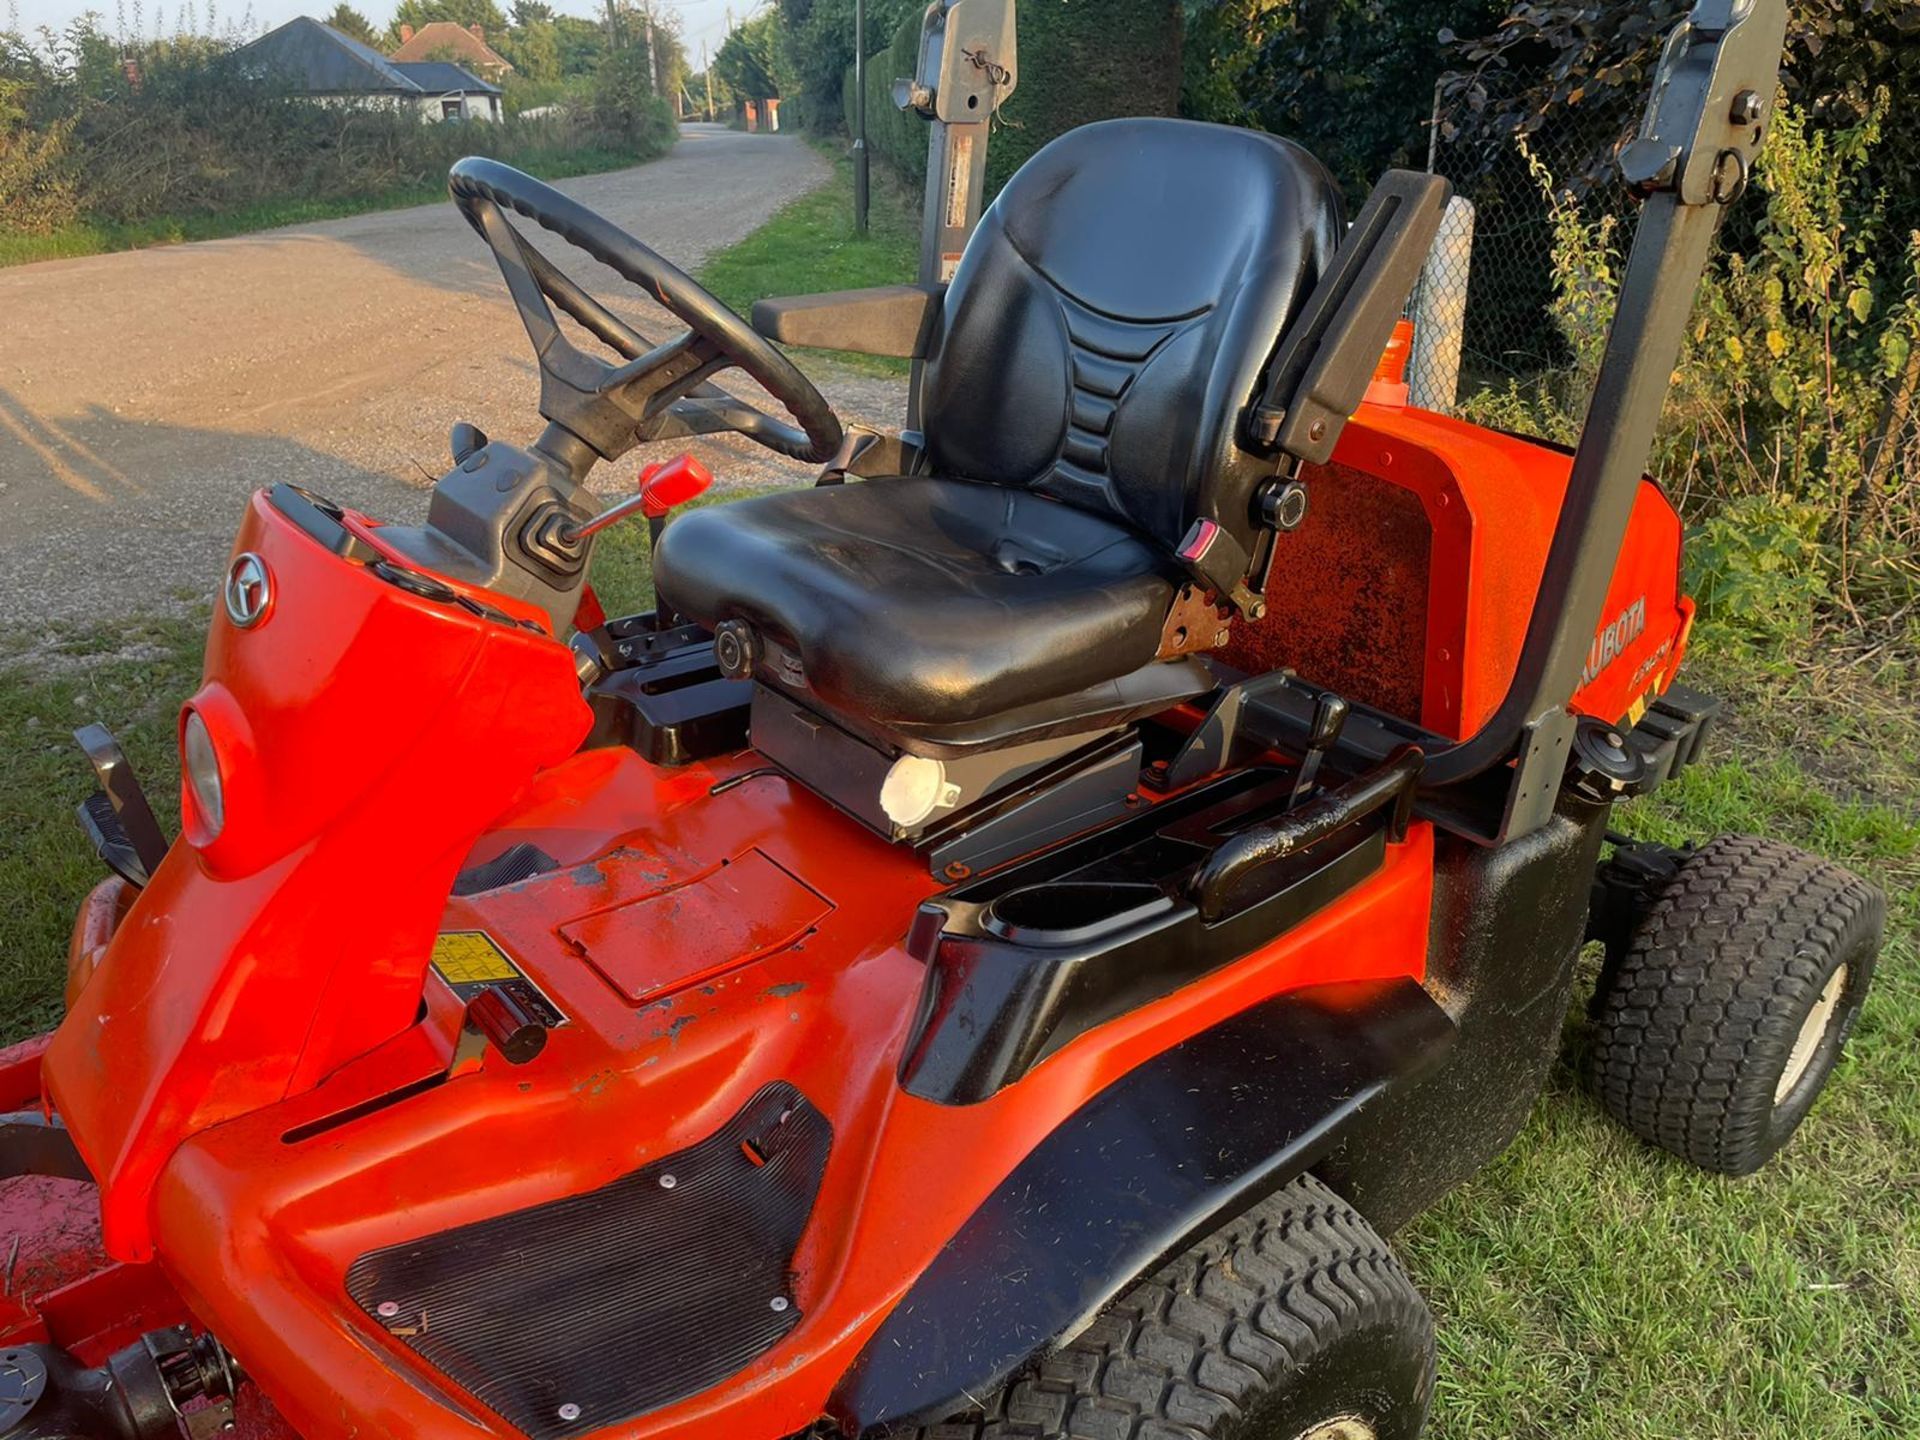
pixel 993 951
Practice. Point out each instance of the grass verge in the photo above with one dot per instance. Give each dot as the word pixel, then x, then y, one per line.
pixel 809 247
pixel 90 239
pixel 1590 1288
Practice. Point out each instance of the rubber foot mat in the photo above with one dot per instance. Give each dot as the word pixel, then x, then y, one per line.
pixel 588 1311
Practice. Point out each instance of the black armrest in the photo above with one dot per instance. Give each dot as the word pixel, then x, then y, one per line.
pixel 893 320
pixel 1329 353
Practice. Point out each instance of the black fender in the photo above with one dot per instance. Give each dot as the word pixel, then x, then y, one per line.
pixel 1166 1154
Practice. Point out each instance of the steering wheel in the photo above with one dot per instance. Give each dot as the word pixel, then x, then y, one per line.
pixel 663 390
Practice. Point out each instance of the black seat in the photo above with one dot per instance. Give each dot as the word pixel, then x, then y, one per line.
pixel 1082 401
pixel 913 602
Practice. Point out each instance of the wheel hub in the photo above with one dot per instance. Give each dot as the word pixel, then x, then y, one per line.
pixel 1347 1427
pixel 1812 1030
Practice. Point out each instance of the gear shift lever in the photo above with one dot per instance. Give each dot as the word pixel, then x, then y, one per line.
pixel 661 488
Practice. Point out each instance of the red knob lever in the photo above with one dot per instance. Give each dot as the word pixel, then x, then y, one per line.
pixel 677 481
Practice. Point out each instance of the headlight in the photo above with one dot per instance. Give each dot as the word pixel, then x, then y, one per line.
pixel 202 769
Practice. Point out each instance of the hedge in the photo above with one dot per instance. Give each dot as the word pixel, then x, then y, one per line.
pixel 1080 61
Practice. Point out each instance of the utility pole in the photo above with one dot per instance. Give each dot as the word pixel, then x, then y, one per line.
pixel 708 69
pixel 861 191
pixel 653 70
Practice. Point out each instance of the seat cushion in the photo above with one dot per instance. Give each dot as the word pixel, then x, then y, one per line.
pixel 917 601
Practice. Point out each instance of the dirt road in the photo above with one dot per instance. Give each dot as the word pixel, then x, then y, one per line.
pixel 144 395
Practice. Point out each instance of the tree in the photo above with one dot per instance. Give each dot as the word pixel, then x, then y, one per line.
pixel 1352 80
pixel 745 63
pixel 1587 53
pixel 581 43
pixel 655 31
pixel 723 97
pixel 1221 56
pixel 528 13
pixel 814 48
pixel 463 13
pixel 351 23
pixel 623 105
pixel 533 51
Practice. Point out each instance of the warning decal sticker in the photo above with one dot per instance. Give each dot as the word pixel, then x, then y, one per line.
pixel 471 960
pixel 470 957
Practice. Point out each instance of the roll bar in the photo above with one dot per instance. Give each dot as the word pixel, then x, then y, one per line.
pixel 1706 119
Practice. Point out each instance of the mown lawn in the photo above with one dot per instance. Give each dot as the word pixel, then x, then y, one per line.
pixel 1588 1288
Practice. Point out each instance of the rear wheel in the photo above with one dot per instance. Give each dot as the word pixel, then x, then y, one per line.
pixel 1721 1022
pixel 1293 1323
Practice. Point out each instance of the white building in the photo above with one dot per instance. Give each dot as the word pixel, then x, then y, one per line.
pixel 317 62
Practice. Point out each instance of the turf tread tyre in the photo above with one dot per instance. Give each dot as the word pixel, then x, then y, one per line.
pixel 1187 1351
pixel 1695 1021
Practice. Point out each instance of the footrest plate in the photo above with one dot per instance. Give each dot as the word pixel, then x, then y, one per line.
pixel 588 1311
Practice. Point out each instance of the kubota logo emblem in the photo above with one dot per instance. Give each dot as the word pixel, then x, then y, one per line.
pixel 1614 638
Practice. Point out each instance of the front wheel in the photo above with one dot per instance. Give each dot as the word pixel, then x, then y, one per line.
pixel 1294 1322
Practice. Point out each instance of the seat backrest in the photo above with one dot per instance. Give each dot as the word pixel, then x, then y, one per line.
pixel 1106 330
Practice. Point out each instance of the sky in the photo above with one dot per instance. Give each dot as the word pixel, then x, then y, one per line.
pixel 700 19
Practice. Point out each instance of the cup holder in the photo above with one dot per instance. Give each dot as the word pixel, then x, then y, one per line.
pixel 1071 912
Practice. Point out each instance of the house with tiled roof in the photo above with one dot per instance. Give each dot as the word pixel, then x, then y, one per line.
pixel 463 45
pixel 318 62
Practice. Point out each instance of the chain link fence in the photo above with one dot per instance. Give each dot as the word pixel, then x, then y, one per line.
pixel 1482 310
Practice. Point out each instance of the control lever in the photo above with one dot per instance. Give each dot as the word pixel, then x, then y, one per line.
pixel 664 486
pixel 496 1017
pixel 1329 718
pixel 465 441
pixel 661 488
pixel 139 845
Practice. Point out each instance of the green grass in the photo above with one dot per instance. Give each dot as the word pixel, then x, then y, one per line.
pixel 809 247
pixel 1588 1286
pixel 91 239
pixel 133 677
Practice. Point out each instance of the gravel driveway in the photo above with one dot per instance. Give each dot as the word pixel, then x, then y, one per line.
pixel 143 395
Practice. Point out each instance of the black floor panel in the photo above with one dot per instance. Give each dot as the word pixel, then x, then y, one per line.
pixel 588 1311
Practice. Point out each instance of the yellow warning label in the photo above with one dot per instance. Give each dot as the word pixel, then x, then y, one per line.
pixel 470 957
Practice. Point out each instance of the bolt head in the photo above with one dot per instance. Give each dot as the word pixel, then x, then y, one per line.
pixel 779 1304
pixel 387 1309
pixel 1748 107
pixel 569 1412
pixel 667 1182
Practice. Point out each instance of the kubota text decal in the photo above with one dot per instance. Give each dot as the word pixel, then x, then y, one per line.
pixel 1614 638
